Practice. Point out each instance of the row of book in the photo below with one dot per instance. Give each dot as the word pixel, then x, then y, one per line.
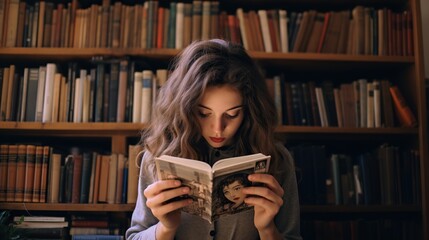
pixel 154 24
pixel 359 103
pixel 78 227
pixel 362 229
pixel 107 92
pixel 31 173
pixel 386 175
pixel 116 92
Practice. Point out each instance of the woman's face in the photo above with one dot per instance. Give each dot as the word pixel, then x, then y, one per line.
pixel 220 114
pixel 233 193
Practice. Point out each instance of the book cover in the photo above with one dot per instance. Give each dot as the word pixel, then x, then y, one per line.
pixel 216 190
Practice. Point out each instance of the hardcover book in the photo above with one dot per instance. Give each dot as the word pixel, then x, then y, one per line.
pixel 216 190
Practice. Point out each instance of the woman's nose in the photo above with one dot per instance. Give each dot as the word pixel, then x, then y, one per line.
pixel 218 125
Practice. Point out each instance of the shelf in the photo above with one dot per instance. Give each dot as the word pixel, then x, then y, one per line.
pixel 131 129
pixel 93 129
pixel 347 209
pixel 168 53
pixel 69 207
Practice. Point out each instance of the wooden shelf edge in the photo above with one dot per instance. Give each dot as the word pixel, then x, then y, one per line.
pixel 68 207
pixel 136 127
pixel 361 209
pixel 169 53
pixel 338 130
pixel 69 126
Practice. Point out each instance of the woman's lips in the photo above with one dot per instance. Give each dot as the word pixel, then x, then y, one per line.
pixel 217 140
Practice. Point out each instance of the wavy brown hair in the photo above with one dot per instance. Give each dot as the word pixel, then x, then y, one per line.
pixel 174 129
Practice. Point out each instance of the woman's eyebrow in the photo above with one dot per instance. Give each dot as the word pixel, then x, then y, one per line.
pixel 238 106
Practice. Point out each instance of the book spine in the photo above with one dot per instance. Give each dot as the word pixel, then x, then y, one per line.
pixel 20 173
pixel 146 101
pixel 403 111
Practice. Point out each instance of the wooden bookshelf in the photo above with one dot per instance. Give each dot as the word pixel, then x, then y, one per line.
pixel 405 71
pixel 69 207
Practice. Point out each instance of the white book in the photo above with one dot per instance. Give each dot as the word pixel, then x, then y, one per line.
pixel 210 185
pixel 180 15
pixel 240 16
pixel 24 94
pixel 78 96
pixel 137 96
pixel 377 103
pixel 40 93
pixel 283 31
pixel 265 30
pixel 38 219
pixel 42 225
pixel 49 91
pixel 146 108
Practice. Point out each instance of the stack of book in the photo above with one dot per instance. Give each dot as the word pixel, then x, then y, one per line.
pixel 42 227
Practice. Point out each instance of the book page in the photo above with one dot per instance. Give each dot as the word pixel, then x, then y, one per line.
pixel 235 164
pixel 191 173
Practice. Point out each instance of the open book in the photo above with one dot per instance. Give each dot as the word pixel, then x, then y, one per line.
pixel 215 190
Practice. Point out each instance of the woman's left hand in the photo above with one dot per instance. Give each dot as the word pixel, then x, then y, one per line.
pixel 266 199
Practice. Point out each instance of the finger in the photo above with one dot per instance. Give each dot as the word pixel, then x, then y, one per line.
pixel 170 207
pixel 160 186
pixel 263 193
pixel 269 181
pixel 268 206
pixel 165 196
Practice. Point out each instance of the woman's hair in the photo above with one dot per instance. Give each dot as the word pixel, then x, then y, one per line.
pixel 174 129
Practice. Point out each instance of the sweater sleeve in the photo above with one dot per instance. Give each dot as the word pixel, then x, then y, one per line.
pixel 288 218
pixel 143 223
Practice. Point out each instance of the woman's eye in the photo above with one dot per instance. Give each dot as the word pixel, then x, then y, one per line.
pixel 232 116
pixel 203 115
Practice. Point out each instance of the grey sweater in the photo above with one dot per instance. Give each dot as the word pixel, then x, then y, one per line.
pixel 237 226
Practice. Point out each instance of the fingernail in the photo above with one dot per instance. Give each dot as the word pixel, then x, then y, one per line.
pixel 177 183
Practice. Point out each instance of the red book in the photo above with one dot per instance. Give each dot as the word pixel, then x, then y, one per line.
pixel 4 149
pixel 11 173
pixel 324 29
pixel 402 110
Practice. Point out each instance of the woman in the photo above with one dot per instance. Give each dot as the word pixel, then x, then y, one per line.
pixel 215 105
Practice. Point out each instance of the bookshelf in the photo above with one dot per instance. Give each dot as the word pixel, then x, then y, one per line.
pixel 405 71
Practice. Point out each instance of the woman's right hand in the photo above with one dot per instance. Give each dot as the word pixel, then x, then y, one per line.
pixel 159 195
